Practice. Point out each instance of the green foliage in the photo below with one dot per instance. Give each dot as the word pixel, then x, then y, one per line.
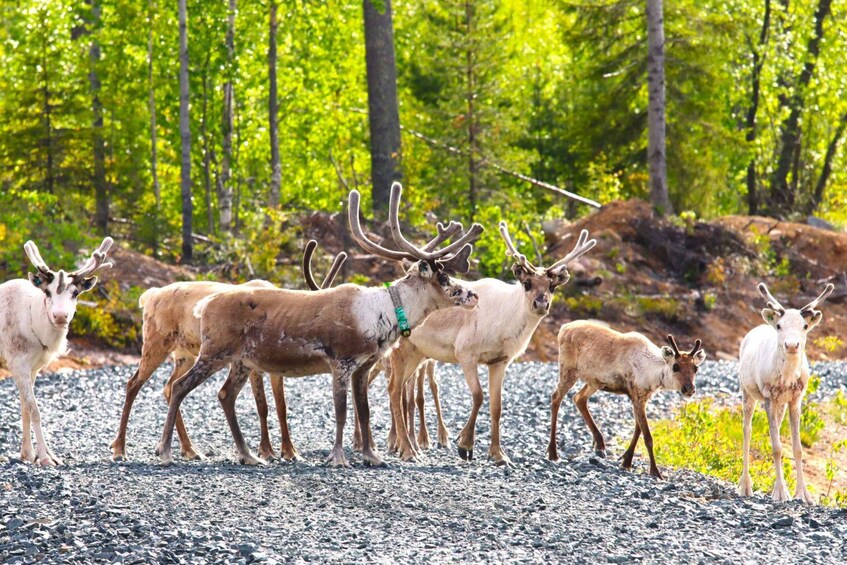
pixel 710 299
pixel 663 307
pixel 708 439
pixel 114 320
pixel 685 220
pixel 584 305
pixel 839 497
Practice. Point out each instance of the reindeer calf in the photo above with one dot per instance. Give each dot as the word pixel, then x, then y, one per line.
pixel 622 364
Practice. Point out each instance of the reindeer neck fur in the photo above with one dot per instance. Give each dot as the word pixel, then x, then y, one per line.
pixel 375 313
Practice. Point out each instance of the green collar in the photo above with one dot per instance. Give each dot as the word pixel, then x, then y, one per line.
pixel 402 321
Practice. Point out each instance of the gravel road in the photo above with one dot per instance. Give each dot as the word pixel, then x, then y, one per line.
pixel 440 509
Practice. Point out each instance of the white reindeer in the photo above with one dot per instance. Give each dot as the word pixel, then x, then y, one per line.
pixel 493 334
pixel 344 329
pixel 773 369
pixel 34 318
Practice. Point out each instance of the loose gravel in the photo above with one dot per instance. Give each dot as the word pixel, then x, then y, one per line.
pixel 440 509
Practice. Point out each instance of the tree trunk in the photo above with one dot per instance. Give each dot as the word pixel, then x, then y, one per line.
pixel 47 110
pixel 207 156
pixel 656 155
pixel 225 183
pixel 154 172
pixel 383 112
pixel 470 95
pixel 273 118
pixel 101 193
pixel 781 197
pixel 826 172
pixel 185 135
pixel 750 124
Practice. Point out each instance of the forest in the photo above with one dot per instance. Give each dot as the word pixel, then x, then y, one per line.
pixel 502 105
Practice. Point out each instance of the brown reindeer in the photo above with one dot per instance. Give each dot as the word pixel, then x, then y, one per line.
pixel 621 364
pixel 170 328
pixel 347 328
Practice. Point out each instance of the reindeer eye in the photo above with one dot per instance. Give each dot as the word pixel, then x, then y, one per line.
pixel 48 293
pixel 527 286
pixel 778 326
pixel 805 326
pixel 74 294
pixel 676 367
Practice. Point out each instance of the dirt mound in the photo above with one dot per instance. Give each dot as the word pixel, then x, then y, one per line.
pixel 697 279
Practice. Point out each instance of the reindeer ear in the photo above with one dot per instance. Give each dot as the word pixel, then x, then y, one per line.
pixel 699 357
pixel 519 272
pixel 87 284
pixel 816 318
pixel 771 316
pixel 667 354
pixel 424 270
pixel 40 280
pixel 559 278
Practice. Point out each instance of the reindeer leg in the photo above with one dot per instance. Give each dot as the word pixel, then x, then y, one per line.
pixel 776 413
pixel 423 433
pixel 581 401
pixel 340 384
pixel 800 490
pixel 443 434
pixel 409 411
pixel 465 441
pixel 24 379
pixel 238 375
pixel 27 449
pixel 496 374
pixel 639 408
pixel 288 451
pixel 567 378
pixel 630 451
pixel 748 405
pixel 399 375
pixel 152 355
pixel 186 448
pixel 357 430
pixel 257 385
pixel 360 399
pixel 203 368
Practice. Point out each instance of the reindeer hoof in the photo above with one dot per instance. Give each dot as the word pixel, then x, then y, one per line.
pixel 466 454
pixel 600 453
pixel 378 464
pixel 118 457
pixel 192 456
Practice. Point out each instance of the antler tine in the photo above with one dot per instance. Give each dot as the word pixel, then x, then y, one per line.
pixel 672 341
pixel 772 302
pixel 512 251
pixel 96 261
pixel 307 264
pixel 420 253
pixel 361 239
pixel 823 296
pixel 333 271
pixel 583 246
pixel 35 257
pixel 697 344
pixel 444 233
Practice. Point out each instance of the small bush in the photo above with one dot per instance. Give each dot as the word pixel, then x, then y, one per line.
pixel 115 320
pixel 662 307
pixel 584 304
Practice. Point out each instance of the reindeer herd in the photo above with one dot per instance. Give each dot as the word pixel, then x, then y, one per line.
pixel 353 333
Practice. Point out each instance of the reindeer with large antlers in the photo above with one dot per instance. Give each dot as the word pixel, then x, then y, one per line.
pixel 35 315
pixel 493 334
pixel 170 328
pixel 347 328
pixel 773 369
pixel 629 364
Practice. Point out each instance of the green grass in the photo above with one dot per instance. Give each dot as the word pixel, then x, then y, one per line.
pixel 708 439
